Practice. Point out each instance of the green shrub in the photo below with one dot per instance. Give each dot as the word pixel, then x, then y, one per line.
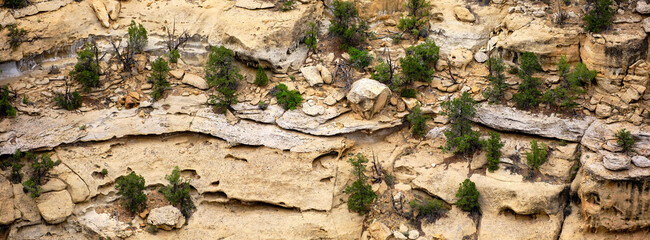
pixel 288 99
pixel 68 100
pixel 6 109
pixel 359 59
pixel 16 35
pixel 16 177
pixel 86 71
pixel 529 63
pixel 430 210
pixel 261 79
pixel 570 85
pixel 311 36
pixel 39 174
pixel 361 194
pixel 418 122
pixel 32 188
pixel 137 37
pixel 222 73
pixel 537 155
pixel 15 3
pixel 417 18
pixel 131 188
pixel 493 147
pixel 408 93
pixel 104 172
pixel 14 161
pixel 158 76
pixel 177 192
pixel 497 79
pixel 419 64
pixel 528 94
pixel 390 179
pixel 385 73
pixel 174 55
pixel 625 140
pixel 345 26
pixel 467 196
pixel 287 5
pixel 600 17
pixel 460 137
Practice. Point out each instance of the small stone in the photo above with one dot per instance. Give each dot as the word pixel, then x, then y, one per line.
pixel 539 14
pixel 480 57
pixel 603 110
pixel 146 86
pixel 329 101
pixel 399 235
pixel 178 74
pixel 312 75
pixel 312 109
pixel 414 234
pixel 641 161
pixel 166 217
pixel 464 15
pixel 379 231
pixel 403 228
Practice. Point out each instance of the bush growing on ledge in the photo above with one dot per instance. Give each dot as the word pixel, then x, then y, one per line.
pixel 418 122
pixel 288 99
pixel 131 187
pixel 528 94
pixel 430 210
pixel 420 61
pixel 287 5
pixel 345 26
pixel 571 85
pixel 359 59
pixel 537 155
pixel 261 79
pixel 408 93
pixel 137 37
pixel 222 73
pixel 493 147
pixel 417 18
pixel 16 35
pixel 86 71
pixel 600 17
pixel 174 55
pixel 625 140
pixel 460 137
pixel 41 169
pixel 68 100
pixel 467 196
pixel 497 79
pixel 15 4
pixel 6 109
pixel 177 192
pixel 159 71
pixel 361 194
pixel 311 36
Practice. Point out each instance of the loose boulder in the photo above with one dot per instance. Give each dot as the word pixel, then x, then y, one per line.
pixel 166 217
pixel 464 15
pixel 101 12
pixel 195 81
pixel 312 75
pixel 368 97
pixel 55 207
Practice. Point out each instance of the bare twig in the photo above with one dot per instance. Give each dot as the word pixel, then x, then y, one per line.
pixel 173 42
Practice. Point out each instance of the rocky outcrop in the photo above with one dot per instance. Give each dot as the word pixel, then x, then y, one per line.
pixel 332 123
pixel 367 97
pixel 195 81
pixel 312 75
pixel 7 212
pixel 509 119
pixel 55 207
pixel 167 218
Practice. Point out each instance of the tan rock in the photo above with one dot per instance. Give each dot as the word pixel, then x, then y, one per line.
pixel 368 97
pixel 379 231
pixel 113 8
pixel 195 81
pixel 456 225
pixel 7 199
pixel 167 217
pixel 55 207
pixel 101 12
pixel 463 14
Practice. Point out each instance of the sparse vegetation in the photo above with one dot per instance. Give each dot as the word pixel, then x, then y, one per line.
pixel 418 122
pixel 361 194
pixel 600 17
pixel 460 137
pixel 174 55
pixel 86 71
pixel 468 196
pixel 289 99
pixel 6 109
pixel 528 94
pixel 570 86
pixel 419 64
pixel 261 79
pixel 104 172
pixel 417 18
pixel 222 73
pixel 359 59
pixel 497 79
pixel 15 4
pixel 39 174
pixel 137 37
pixel 430 209
pixel 287 5
pixel 311 36
pixel 625 139
pixel 346 24
pixel 408 93
pixel 537 155
pixel 493 147
pixel 68 100
pixel 177 192
pixel 131 188
pixel 16 35
pixel 158 77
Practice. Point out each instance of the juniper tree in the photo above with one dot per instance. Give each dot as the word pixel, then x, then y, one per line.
pixel 460 136
pixel 158 77
pixel 361 194
pixel 131 188
pixel 222 73
pixel 417 18
pixel 468 196
pixel 497 79
pixel 86 71
pixel 177 192
pixel 346 24
pixel 528 94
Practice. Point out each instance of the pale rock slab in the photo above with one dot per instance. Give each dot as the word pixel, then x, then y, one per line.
pixel 55 207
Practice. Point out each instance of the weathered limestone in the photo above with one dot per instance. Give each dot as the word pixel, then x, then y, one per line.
pixel 55 207
pixel 167 217
pixel 368 97
pixel 195 81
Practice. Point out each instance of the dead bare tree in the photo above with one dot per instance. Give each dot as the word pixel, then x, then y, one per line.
pixel 453 80
pixel 174 42
pixel 376 169
pixel 126 57
pixel 343 73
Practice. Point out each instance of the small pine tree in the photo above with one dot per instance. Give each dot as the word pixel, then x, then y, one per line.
pixel 420 61
pixel 174 55
pixel 137 37
pixel 68 100
pixel 288 99
pixel 460 137
pixel 131 188
pixel 430 210
pixel 625 140
pixel 493 147
pixel 158 77
pixel 359 59
pixel 537 155
pixel 222 73
pixel 497 79
pixel 261 79
pixel 600 17
pixel 570 85
pixel 86 71
pixel 177 192
pixel 528 94
pixel 346 24
pixel 40 173
pixel 16 35
pixel 311 36
pixel 6 109
pixel 468 196
pixel 418 122
pixel 361 194
pixel 417 18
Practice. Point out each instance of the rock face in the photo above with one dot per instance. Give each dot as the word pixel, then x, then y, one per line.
pixel 6 197
pixel 195 81
pixel 55 207
pixel 368 97
pixel 167 217
pixel 642 7
pixel 510 119
pixel 100 12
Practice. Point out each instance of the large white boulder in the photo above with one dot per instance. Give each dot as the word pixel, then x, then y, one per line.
pixel 368 97
pixel 166 217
